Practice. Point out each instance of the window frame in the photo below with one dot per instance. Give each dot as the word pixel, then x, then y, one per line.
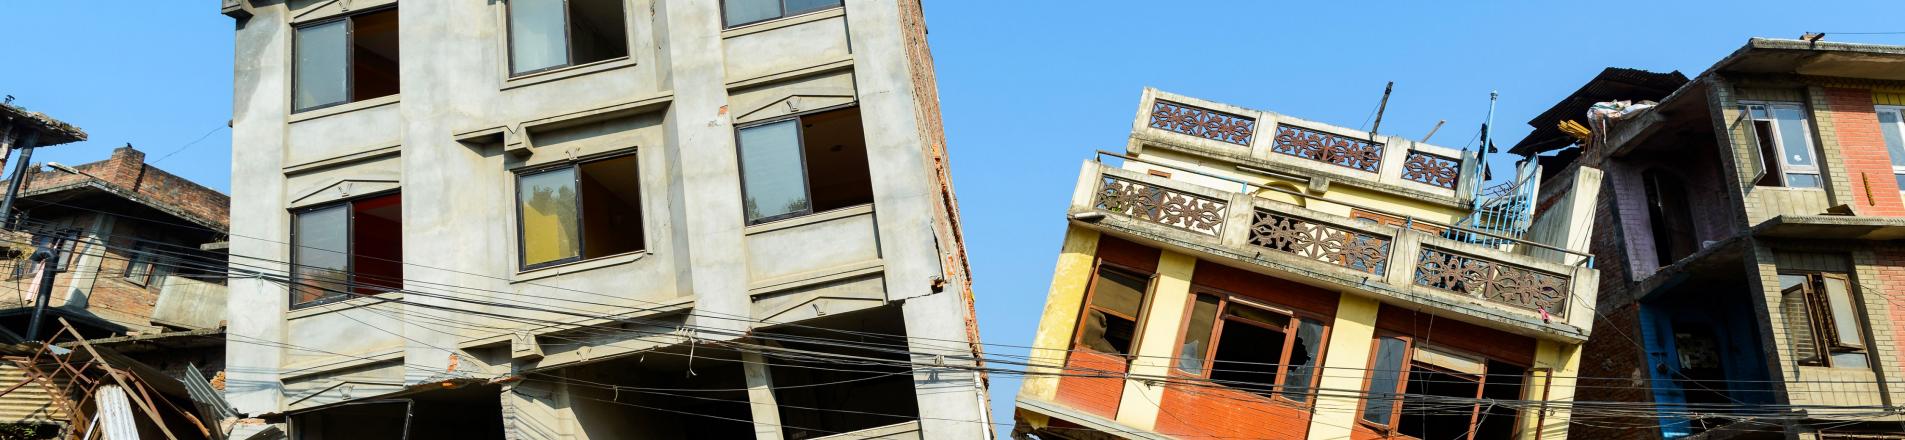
pixel 1821 322
pixel 350 58
pixel 568 42
pixel 1224 300
pixel 800 137
pixel 522 254
pixel 1091 293
pixel 1898 169
pixel 350 253
pixel 141 256
pixel 782 15
pixel 1779 144
pixel 1402 379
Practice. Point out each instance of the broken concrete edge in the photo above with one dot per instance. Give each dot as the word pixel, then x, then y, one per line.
pixel 52 131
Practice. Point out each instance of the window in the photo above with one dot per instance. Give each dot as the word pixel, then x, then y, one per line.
pixel 804 164
pixel 1111 313
pixel 550 34
pixel 141 264
pixel 1390 220
pixel 345 60
pixel 341 249
pixel 1258 347
pixel 1785 145
pixel 1428 392
pixel 579 211
pixel 1669 215
pixel 1822 319
pixel 1892 127
pixel 740 12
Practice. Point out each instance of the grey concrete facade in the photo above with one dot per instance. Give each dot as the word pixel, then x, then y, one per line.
pixel 461 127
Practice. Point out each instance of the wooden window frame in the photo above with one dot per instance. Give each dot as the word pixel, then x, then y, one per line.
pixel 1221 318
pixel 1821 322
pixel 1391 220
pixel 1091 293
pixel 1779 145
pixel 1402 380
pixel 142 255
pixel 582 253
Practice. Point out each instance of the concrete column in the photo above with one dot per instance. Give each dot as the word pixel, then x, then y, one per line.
pixel 85 270
pixel 261 68
pixel 901 170
pixel 1067 296
pixel 705 194
pixel 1344 362
pixel 952 401
pixel 760 397
pixel 1157 340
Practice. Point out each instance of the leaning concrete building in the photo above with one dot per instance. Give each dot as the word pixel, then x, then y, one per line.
pixel 595 219
pixel 1749 243
pixel 1237 273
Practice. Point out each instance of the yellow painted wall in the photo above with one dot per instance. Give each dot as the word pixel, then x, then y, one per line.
pixel 1055 328
pixel 1157 340
pixel 1343 363
pixel 1563 362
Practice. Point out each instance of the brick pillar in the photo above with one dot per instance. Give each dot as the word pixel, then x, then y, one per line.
pixel 1868 165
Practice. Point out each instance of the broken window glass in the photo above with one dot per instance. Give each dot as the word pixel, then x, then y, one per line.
pixel 1197 334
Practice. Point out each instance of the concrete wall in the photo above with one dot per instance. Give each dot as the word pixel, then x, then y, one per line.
pixel 452 139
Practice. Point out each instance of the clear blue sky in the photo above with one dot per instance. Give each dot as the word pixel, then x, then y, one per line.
pixel 1029 87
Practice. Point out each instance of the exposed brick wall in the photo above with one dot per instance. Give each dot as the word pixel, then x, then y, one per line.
pixel 1095 395
pixel 1867 164
pixel 1191 412
pixel 1889 263
pixel 127 171
pixel 1614 371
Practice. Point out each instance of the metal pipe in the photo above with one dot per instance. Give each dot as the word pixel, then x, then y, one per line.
pixel 19 175
pixel 1380 108
pixel 47 258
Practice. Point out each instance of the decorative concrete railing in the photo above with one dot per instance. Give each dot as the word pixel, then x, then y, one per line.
pixel 1343 153
pixel 1320 241
pixel 1202 215
pixel 1390 260
pixel 1496 281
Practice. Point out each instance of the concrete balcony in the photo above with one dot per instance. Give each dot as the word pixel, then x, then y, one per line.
pixel 1496 285
pixel 1284 145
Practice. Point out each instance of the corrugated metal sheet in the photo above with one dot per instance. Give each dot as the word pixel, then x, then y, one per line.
pixel 115 414
pixel 1612 83
pixel 31 403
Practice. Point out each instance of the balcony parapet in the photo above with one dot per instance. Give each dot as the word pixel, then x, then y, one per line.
pixel 1306 147
pixel 1402 265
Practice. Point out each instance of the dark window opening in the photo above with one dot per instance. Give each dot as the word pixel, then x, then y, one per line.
pixel 819 398
pixel 354 247
pixel 375 419
pixel 1438 404
pixel 345 60
pixel 589 210
pixel 740 12
pixel 812 163
pixel 550 34
pixel 1670 216
pixel 1504 384
pixel 1255 350
pixel 1111 317
pixel 651 395
pixel 141 264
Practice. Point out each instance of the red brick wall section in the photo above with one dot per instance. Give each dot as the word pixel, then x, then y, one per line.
pixel 127 171
pixel 1128 254
pixel 1891 269
pixel 1199 412
pixel 1094 395
pixel 1868 165
pixel 1613 369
